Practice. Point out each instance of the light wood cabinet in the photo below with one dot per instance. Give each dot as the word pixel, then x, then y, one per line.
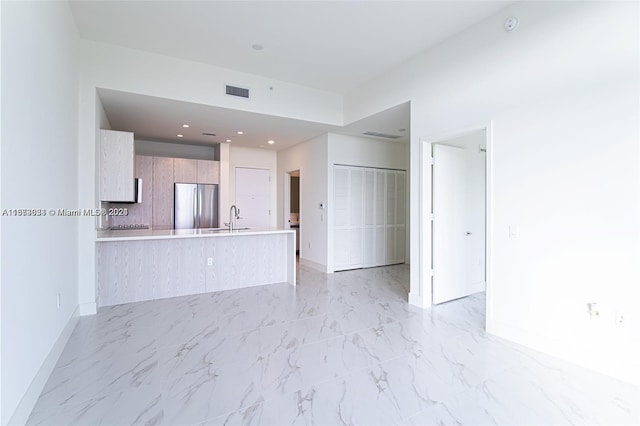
pixel 144 170
pixel 163 179
pixel 116 166
pixel 208 172
pixel 185 170
pixel 158 177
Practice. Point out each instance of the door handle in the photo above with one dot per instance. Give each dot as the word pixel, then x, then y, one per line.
pixel 468 233
pixel 195 205
pixel 199 208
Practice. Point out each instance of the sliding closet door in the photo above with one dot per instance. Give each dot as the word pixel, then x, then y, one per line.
pixel 369 217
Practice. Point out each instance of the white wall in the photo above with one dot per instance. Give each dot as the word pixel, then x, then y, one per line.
pixel 364 152
pixel 562 93
pixel 311 158
pixel 369 152
pixel 253 158
pixel 1 409
pixel 39 165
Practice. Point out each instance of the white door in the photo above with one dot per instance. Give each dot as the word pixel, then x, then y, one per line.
pixel 253 197
pixel 459 223
pixel 348 208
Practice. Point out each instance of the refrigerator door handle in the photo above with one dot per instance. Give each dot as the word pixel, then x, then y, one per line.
pixel 195 202
pixel 199 206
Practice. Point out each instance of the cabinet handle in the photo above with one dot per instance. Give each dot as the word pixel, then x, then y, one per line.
pixel 195 205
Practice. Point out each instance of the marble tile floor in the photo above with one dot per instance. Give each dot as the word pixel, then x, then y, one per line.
pixel 337 349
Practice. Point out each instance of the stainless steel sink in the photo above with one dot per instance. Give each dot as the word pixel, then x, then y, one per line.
pixel 211 230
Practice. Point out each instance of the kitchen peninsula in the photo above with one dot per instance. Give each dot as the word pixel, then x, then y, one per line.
pixel 148 264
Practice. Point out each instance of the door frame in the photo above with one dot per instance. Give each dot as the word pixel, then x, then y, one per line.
pixel 286 210
pixel 426 209
pixel 286 206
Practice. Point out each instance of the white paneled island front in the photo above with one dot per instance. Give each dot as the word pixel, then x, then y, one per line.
pixel 138 265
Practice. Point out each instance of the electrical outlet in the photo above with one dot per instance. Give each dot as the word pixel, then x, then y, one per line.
pixel 58 300
pixel 621 318
pixel 209 261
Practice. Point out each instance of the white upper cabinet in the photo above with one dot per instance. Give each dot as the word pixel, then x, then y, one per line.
pixel 116 166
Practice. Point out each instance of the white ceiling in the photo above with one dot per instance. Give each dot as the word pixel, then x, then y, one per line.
pixel 332 46
pixel 159 119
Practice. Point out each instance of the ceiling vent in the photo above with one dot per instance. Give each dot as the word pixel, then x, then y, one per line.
pixel 381 135
pixel 240 92
pixel 208 134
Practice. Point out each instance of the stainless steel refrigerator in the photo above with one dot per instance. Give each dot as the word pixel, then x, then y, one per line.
pixel 195 206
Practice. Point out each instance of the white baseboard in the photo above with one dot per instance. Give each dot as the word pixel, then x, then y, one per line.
pixel 29 399
pixel 317 266
pixel 618 368
pixel 88 308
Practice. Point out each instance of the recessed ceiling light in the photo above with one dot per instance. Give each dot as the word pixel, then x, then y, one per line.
pixel 240 132
pixel 271 142
pixel 228 140
pixel 180 136
pixel 186 126
pixel 257 46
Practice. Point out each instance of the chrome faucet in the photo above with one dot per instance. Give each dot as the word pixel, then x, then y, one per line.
pixel 232 217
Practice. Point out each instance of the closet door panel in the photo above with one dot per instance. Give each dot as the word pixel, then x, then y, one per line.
pixel 369 247
pixel 391 198
pixel 379 197
pixel 401 198
pixel 341 248
pixel 390 254
pixel 379 246
pixel 356 201
pixel 400 244
pixel 369 193
pixel 355 247
pixel 341 196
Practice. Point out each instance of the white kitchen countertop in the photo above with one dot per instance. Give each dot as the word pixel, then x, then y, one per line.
pixel 159 234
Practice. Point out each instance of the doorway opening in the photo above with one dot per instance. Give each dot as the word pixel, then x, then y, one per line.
pixel 292 204
pixel 460 195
